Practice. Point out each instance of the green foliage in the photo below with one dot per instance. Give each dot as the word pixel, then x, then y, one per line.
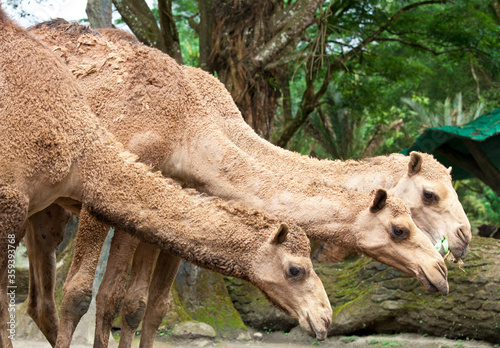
pixel 349 339
pixel 427 55
pixel 185 14
pixel 480 202
pixel 444 113
pixel 338 130
pixel 442 244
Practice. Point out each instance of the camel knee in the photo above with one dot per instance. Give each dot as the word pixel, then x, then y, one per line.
pixel 156 313
pixel 77 301
pixel 109 304
pixel 32 309
pixel 133 310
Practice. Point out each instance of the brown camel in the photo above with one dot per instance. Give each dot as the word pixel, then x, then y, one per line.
pixel 53 146
pixel 113 73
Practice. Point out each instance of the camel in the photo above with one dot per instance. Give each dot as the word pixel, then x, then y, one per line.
pixel 192 148
pixel 426 188
pixel 52 145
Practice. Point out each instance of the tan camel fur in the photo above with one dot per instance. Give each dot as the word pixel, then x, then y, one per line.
pixel 52 145
pixel 421 181
pixel 389 171
pixel 191 146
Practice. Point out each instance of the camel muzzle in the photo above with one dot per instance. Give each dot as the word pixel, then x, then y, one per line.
pixel 460 251
pixel 435 283
pixel 322 332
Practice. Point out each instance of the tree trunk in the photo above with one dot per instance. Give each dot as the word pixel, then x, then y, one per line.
pixel 205 32
pixel 169 30
pixel 141 21
pixel 99 13
pixel 369 296
pixel 249 35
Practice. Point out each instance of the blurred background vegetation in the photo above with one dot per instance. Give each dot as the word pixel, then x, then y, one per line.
pixel 336 79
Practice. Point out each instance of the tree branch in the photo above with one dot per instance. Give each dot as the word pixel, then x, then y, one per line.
pixel 285 60
pixel 383 28
pixel 310 100
pixel 423 47
pixel 169 30
pixel 99 13
pixel 301 18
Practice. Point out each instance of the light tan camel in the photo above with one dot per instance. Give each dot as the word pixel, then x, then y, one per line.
pixel 427 188
pixel 52 145
pixel 205 159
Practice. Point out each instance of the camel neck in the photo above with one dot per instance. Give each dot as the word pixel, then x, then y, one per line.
pixel 200 229
pixel 363 175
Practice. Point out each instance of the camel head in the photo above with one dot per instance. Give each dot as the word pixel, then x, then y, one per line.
pixel 283 271
pixel 428 191
pixel 394 239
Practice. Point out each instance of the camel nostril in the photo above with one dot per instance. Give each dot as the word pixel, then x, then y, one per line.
pixel 443 270
pixel 328 321
pixel 463 235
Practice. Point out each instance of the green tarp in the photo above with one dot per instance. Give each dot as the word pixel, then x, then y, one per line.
pixel 485 130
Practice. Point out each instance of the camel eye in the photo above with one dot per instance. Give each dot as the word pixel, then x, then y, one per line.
pixel 399 233
pixel 295 272
pixel 428 196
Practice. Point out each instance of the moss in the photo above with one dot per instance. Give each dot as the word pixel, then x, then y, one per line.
pixel 208 301
pixel 349 339
pixel 368 295
pixel 343 284
pixel 176 312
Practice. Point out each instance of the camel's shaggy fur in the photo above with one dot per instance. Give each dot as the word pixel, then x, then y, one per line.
pixel 443 218
pixel 168 127
pixel 53 146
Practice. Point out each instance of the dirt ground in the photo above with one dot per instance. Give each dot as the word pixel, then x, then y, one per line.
pixel 280 340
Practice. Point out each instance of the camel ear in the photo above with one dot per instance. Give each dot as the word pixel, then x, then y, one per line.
pixel 415 163
pixel 379 201
pixel 280 234
pixel 449 169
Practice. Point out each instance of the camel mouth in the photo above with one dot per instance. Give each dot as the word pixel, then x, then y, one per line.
pixel 320 334
pixel 459 254
pixel 460 251
pixel 437 284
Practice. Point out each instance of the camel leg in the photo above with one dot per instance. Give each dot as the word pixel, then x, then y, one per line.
pixel 13 217
pixel 77 291
pixel 44 233
pixel 112 288
pixel 163 277
pixel 135 300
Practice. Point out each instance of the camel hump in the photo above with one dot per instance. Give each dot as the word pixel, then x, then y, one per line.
pixel 53 23
pixel 116 35
pixel 63 25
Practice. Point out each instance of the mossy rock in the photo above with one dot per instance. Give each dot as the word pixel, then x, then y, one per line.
pixel 255 309
pixel 391 302
pixel 176 312
pixel 204 297
pixel 369 296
